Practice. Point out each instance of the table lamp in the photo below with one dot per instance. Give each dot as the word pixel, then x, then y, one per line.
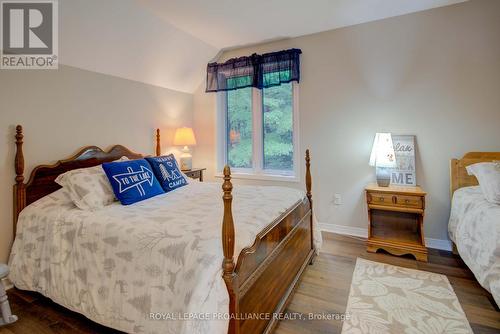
pixel 383 158
pixel 185 137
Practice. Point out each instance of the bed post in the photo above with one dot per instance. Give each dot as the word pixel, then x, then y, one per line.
pixel 309 196
pixel 454 186
pixel 158 147
pixel 308 178
pixel 453 176
pixel 19 187
pixel 228 247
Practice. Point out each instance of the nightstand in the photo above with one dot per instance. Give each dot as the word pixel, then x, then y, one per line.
pixel 195 173
pixel 396 220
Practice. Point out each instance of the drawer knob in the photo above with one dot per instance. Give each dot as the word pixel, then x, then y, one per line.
pixel 407 201
pixel 381 199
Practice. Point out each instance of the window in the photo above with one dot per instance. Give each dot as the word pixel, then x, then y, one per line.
pixel 258 131
pixel 239 128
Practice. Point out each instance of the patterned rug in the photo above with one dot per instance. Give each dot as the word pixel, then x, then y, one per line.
pixel 390 299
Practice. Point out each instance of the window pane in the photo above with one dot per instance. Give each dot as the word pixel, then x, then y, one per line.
pixel 239 128
pixel 277 107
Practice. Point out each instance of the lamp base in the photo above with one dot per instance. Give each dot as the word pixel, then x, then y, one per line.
pixel 383 176
pixel 186 159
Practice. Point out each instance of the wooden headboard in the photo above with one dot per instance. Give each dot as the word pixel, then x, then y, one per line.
pixel 458 174
pixel 42 180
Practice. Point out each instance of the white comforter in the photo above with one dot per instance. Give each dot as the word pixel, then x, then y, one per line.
pixel 119 265
pixel 475 228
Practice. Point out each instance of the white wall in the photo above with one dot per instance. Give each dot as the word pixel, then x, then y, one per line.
pixel 433 74
pixel 66 109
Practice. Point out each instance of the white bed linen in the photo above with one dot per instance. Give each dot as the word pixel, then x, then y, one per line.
pixel 475 228
pixel 121 263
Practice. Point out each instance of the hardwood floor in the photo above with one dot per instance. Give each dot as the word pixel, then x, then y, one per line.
pixel 324 289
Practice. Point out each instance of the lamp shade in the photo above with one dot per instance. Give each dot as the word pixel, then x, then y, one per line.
pixel 184 137
pixel 383 151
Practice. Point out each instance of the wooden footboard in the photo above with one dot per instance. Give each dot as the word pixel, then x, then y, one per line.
pixel 265 275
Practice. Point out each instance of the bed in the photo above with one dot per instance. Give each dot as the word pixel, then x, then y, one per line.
pixel 474 225
pixel 139 269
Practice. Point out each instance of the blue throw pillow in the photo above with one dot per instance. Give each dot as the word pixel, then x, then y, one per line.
pixel 167 171
pixel 132 181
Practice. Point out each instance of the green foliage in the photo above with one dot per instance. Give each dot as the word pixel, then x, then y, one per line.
pixel 239 117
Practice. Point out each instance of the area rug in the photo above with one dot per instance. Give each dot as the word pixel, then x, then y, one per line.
pixel 390 299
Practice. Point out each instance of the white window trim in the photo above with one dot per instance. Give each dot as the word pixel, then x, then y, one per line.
pixel 257 173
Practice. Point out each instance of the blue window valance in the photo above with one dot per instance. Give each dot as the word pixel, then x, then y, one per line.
pixel 259 71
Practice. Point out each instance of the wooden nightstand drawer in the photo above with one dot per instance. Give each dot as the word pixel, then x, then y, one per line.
pixel 398 200
pixel 381 199
pixel 409 201
pixel 195 173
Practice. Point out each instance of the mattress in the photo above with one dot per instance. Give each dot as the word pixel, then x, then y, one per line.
pixel 144 267
pixel 474 227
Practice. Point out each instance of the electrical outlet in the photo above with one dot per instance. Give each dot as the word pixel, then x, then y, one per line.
pixel 337 199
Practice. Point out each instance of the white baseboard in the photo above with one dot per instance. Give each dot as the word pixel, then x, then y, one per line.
pixel 344 230
pixel 438 244
pixel 363 233
pixel 7 283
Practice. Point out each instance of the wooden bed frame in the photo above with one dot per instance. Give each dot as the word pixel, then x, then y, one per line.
pixel 260 280
pixel 459 177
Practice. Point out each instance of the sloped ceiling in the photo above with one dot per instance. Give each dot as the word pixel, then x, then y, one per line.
pixel 168 43
pixel 229 23
pixel 125 39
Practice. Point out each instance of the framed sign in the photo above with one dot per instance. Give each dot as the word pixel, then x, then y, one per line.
pixel 404 149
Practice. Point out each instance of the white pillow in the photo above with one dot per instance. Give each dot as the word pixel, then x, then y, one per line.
pixel 488 175
pixel 89 188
